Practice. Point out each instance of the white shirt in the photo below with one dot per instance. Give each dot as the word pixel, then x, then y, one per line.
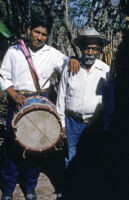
pixel 15 70
pixel 83 92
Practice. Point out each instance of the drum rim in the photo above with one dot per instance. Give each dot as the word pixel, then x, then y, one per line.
pixel 29 108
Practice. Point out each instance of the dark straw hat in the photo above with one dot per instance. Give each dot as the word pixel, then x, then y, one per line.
pixel 90 36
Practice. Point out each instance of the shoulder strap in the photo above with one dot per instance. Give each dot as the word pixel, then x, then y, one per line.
pixel 31 66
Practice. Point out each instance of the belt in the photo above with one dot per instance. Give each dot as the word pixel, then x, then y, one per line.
pixel 22 92
pixel 78 117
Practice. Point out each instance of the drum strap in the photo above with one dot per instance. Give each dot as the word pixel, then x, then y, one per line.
pixel 31 66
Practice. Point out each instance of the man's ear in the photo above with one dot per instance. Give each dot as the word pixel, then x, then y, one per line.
pixel 28 32
pixel 100 51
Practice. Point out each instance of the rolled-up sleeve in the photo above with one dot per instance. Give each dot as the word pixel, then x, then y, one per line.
pixel 5 72
pixel 61 61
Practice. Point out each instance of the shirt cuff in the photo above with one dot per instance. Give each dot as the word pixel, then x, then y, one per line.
pixel 5 84
pixel 63 123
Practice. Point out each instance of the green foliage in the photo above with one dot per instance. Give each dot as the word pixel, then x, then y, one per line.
pixel 99 13
pixel 79 11
pixel 1 142
pixel 4 30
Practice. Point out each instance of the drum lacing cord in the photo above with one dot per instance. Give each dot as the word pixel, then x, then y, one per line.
pixel 24 153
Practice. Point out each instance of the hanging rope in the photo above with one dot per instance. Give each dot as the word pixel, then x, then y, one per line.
pixel 67 8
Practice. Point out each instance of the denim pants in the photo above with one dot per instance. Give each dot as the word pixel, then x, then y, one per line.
pixel 14 165
pixel 74 129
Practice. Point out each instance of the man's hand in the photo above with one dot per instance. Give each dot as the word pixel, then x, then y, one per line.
pixel 20 99
pixel 74 65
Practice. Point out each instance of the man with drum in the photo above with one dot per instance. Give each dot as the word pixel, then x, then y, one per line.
pixel 17 80
pixel 86 98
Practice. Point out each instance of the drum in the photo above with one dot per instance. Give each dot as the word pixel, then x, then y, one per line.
pixel 36 125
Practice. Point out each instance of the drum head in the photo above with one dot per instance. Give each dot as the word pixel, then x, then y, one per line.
pixel 38 130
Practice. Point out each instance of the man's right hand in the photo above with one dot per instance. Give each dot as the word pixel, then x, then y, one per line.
pixel 20 99
pixel 74 65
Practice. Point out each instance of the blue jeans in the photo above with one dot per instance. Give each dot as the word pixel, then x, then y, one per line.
pixel 74 129
pixel 13 164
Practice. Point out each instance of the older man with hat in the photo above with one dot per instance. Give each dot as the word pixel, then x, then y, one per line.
pixel 86 99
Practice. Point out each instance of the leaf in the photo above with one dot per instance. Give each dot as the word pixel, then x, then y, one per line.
pixel 4 30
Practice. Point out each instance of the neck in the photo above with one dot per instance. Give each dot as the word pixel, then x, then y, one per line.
pixel 33 48
pixel 88 68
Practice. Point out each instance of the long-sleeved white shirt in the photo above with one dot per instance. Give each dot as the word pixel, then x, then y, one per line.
pixel 15 70
pixel 84 92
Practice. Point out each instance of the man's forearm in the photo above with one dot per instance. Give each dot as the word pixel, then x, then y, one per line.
pixel 12 92
pixel 20 99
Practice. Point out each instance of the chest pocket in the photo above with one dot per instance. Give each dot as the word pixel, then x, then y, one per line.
pixel 73 86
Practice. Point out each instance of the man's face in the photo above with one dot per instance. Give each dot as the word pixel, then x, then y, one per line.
pixel 89 54
pixel 37 37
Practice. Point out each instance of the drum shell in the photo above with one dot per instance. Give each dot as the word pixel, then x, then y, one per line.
pixel 36 126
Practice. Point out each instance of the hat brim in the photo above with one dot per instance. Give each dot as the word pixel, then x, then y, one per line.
pixel 82 40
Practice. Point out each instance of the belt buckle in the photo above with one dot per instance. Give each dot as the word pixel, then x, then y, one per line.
pixel 88 121
pixel 21 92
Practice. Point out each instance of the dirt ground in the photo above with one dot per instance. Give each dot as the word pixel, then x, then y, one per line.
pixel 50 179
pixel 44 190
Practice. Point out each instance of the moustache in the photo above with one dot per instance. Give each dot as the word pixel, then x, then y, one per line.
pixel 88 60
pixel 91 57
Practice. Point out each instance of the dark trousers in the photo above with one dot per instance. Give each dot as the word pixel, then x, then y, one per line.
pixel 74 130
pixel 14 167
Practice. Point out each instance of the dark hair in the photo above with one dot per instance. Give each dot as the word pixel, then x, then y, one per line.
pixel 36 22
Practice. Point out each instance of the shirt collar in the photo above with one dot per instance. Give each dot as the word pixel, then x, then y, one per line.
pixel 98 64
pixel 44 48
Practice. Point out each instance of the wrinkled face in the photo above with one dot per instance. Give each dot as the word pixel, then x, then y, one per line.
pixel 89 54
pixel 37 36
